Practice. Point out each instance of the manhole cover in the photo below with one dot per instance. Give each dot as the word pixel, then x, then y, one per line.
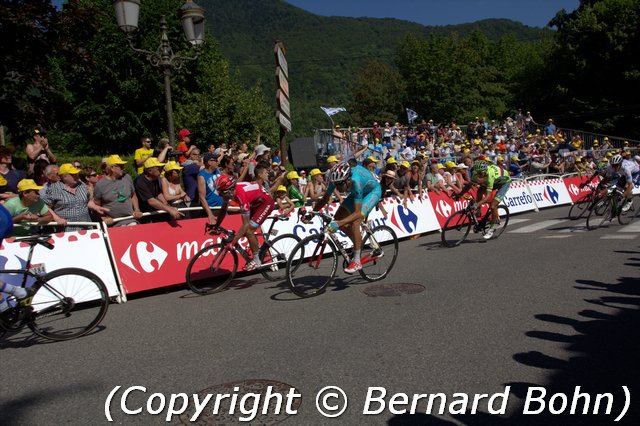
pixel 393 289
pixel 246 407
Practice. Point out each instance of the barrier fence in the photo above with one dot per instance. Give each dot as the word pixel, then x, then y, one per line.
pixel 131 259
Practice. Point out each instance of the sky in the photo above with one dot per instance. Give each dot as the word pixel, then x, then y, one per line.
pixel 535 13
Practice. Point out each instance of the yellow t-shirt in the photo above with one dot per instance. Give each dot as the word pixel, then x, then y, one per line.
pixel 142 154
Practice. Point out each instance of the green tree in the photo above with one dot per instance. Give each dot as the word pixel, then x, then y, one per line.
pixel 377 94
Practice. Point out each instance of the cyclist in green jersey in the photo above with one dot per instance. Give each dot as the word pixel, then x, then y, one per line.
pixel 488 178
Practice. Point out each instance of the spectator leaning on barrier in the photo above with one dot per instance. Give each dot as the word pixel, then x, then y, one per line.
pixel 116 192
pixel 141 154
pixel 171 188
pixel 27 206
pixel 149 189
pixel 39 155
pixel 294 189
pixel 282 200
pixel 69 198
pixel 10 175
pixel 316 186
pixel 207 193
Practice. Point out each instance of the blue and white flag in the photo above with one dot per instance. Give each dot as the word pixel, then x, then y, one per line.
pixel 332 111
pixel 411 115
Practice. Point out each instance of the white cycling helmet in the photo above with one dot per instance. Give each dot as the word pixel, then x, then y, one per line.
pixel 616 159
pixel 340 172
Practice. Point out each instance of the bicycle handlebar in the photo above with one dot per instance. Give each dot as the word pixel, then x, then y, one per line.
pixel 217 230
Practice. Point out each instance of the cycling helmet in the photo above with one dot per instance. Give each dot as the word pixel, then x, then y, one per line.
pixel 225 183
pixel 340 172
pixel 480 166
pixel 616 159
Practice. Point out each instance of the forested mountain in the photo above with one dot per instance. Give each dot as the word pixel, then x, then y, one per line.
pixel 325 54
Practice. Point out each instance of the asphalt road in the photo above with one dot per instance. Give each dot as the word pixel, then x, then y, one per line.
pixel 546 305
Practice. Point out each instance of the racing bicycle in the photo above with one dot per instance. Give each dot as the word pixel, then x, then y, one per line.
pixel 213 268
pixel 609 207
pixel 67 303
pixel 584 205
pixel 457 227
pixel 313 262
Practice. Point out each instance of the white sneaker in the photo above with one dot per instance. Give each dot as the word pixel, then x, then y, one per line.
pixel 353 267
pixel 627 206
pixel 489 233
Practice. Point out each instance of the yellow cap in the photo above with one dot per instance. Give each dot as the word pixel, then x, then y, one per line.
pixel 281 188
pixel 27 184
pixel 392 160
pixel 405 164
pixel 450 165
pixel 172 165
pixel 440 166
pixel 515 157
pixel 332 159
pixel 500 159
pixel 315 172
pixel 152 162
pixel 371 158
pixel 293 175
pixel 466 151
pixel 606 138
pixel 68 169
pixel 115 159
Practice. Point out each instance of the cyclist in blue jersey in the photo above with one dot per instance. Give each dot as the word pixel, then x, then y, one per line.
pixel 364 193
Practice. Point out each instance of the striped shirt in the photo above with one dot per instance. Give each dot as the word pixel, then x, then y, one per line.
pixel 68 205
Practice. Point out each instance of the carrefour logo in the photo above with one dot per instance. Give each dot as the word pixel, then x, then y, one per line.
pixel 148 260
pixel 573 188
pixel 407 218
pixel 551 194
pixel 443 208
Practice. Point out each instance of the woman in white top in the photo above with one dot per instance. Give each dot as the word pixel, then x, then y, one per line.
pixel 171 188
pixel 316 186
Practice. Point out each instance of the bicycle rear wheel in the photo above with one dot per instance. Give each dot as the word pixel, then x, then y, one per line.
pixel 379 253
pixel 580 207
pixel 311 266
pixel 599 214
pixel 276 252
pixel 69 303
pixel 456 228
pixel 503 215
pixel 211 269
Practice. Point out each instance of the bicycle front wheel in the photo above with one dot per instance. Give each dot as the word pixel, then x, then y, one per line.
pixel 599 214
pixel 211 269
pixel 580 207
pixel 456 229
pixel 627 214
pixel 379 253
pixel 311 266
pixel 503 215
pixel 273 255
pixel 69 303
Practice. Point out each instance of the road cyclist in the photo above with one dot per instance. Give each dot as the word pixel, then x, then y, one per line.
pixel 622 173
pixel 489 178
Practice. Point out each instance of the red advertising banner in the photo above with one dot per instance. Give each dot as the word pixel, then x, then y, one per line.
pixel 573 186
pixel 156 255
pixel 445 206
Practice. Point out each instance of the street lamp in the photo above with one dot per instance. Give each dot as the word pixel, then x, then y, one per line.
pixel 192 17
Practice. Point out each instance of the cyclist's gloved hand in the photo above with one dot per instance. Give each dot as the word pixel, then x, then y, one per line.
pixel 305 216
pixel 455 196
pixel 333 227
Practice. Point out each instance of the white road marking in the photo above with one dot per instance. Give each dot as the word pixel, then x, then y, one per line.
pixel 538 226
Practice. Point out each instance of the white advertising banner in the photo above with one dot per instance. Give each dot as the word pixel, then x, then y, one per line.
pixel 549 192
pixel 80 249
pixel 518 198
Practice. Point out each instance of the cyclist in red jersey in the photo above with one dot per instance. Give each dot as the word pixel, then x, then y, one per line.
pixel 255 206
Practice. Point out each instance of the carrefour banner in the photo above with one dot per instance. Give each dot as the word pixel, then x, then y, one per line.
pixel 80 249
pixel 573 186
pixel 549 192
pixel 518 198
pixel 157 254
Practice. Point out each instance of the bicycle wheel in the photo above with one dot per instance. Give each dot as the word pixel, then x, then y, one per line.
pixel 580 207
pixel 311 266
pixel 599 214
pixel 211 269
pixel 276 252
pixel 456 228
pixel 379 253
pixel 503 214
pixel 624 217
pixel 69 303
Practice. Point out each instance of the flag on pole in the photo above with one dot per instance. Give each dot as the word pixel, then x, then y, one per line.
pixel 411 115
pixel 332 111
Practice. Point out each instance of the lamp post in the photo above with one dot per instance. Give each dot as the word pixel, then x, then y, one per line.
pixel 192 17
